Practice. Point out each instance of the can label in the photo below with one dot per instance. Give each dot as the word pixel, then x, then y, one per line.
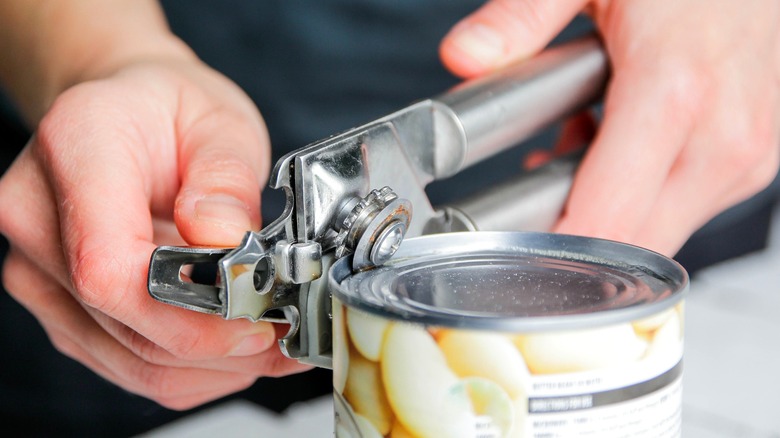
pixel 396 379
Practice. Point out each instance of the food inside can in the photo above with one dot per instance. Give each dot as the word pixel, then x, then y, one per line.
pixel 407 380
pixel 420 350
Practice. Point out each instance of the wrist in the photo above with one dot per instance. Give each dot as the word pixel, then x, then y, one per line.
pixel 52 45
pixel 87 62
pixel 110 57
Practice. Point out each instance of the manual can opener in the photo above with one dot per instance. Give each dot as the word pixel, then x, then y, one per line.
pixel 352 195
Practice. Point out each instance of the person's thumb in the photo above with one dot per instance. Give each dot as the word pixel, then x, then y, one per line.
pixel 504 31
pixel 223 164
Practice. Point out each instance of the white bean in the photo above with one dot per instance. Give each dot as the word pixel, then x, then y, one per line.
pixel 666 344
pixel 423 392
pixel 367 332
pixel 488 355
pixel 340 349
pixel 580 350
pixel 491 403
pixel 652 322
pixel 365 392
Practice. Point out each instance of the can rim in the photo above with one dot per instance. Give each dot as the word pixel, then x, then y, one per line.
pixel 598 252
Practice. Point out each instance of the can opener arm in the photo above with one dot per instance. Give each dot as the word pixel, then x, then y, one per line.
pixel 352 195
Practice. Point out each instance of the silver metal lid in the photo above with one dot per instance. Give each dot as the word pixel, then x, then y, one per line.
pixel 513 281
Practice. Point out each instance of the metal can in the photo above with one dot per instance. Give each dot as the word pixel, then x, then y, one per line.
pixel 506 334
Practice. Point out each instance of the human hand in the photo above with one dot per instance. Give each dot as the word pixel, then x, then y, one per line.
pixel 156 151
pixel 691 117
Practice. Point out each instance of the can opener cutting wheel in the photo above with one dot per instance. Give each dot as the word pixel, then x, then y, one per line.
pixel 352 195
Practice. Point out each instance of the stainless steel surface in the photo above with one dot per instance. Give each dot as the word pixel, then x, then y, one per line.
pixel 374 228
pixel 279 269
pixel 530 202
pixel 495 112
pixel 513 282
pixel 166 283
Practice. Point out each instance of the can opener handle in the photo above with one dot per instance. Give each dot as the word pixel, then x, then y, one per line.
pixel 342 195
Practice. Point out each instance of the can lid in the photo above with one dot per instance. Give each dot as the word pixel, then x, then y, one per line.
pixel 513 281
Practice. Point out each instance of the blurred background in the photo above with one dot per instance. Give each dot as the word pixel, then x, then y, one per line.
pixel 317 68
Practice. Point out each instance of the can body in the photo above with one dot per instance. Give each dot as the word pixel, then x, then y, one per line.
pixel 397 379
pixel 466 368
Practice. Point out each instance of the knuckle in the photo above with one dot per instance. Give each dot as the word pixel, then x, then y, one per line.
pixel 186 346
pixel 745 149
pixel 750 152
pixel 147 350
pixel 221 166
pixel 91 275
pixel 685 93
pixel 78 111
pixel 50 128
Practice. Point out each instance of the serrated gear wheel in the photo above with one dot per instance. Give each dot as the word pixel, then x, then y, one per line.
pixel 373 228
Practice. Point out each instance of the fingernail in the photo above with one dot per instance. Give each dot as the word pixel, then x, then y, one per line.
pixel 480 42
pixel 253 344
pixel 224 210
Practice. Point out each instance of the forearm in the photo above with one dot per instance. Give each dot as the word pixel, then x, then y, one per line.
pixel 49 45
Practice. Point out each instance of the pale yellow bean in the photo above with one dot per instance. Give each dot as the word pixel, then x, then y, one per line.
pixel 651 323
pixel 367 332
pixel 244 282
pixel 340 349
pixel 366 394
pixel 680 308
pixel 666 344
pixel 491 403
pixel 581 350
pixel 399 431
pixel 488 355
pixel 423 392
